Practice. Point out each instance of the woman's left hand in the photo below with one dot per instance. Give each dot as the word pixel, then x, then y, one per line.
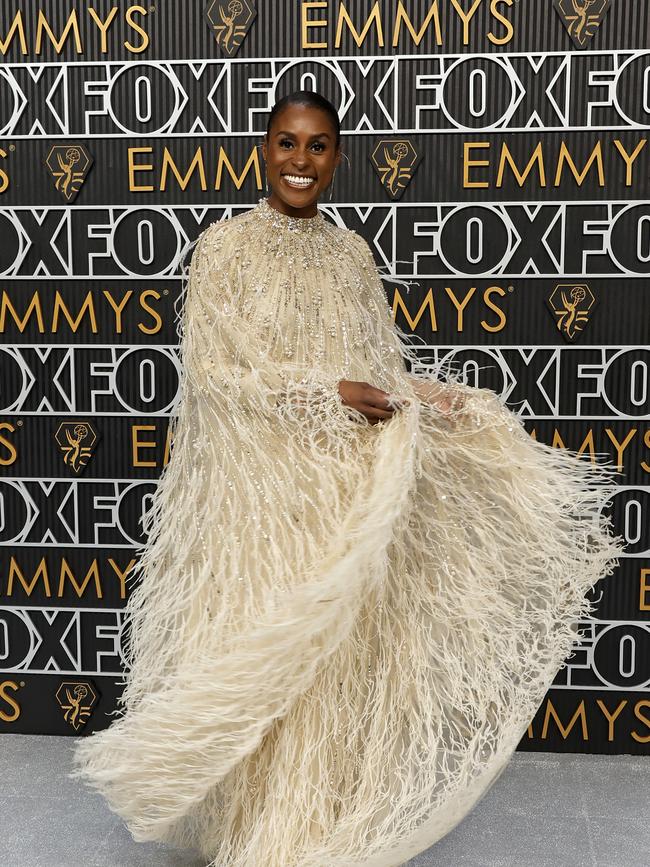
pixel 447 399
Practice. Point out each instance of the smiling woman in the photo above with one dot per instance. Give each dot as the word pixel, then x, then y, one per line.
pixel 302 149
pixel 357 584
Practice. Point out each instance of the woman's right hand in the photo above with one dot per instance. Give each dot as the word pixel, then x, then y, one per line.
pixel 368 400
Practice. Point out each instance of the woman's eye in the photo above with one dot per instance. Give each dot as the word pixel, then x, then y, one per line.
pixel 317 144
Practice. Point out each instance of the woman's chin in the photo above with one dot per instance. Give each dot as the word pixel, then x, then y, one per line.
pixel 295 198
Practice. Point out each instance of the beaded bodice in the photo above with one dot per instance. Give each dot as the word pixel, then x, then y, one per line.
pixel 309 293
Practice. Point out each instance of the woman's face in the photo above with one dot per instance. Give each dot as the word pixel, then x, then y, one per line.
pixel 301 155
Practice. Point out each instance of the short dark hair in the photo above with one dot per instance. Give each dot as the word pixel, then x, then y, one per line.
pixel 311 99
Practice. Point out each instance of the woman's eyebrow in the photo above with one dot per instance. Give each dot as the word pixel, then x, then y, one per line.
pixel 318 134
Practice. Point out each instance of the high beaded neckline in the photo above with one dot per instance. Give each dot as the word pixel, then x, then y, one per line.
pixel 283 221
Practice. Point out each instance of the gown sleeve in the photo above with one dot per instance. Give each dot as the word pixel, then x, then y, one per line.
pixel 220 354
pixel 448 397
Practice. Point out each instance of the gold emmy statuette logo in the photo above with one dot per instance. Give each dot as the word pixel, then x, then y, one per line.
pixel 395 161
pixel 582 18
pixel 76 699
pixel 230 21
pixel 76 440
pixel 572 305
pixel 69 165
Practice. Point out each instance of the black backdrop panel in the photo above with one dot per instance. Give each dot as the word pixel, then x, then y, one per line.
pixel 521 221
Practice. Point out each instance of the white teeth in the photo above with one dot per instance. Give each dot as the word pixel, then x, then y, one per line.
pixel 298 181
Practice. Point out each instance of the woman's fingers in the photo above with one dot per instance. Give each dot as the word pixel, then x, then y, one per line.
pixel 376 397
pixel 376 403
pixel 375 411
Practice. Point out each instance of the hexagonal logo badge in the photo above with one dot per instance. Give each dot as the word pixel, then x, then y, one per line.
pixel 77 440
pixel 77 698
pixel 69 165
pixel 395 161
pixel 572 305
pixel 582 18
pixel 230 21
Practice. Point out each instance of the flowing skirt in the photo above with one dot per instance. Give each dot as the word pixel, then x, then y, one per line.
pixel 349 707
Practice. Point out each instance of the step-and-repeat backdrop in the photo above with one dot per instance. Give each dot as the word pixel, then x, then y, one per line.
pixel 499 159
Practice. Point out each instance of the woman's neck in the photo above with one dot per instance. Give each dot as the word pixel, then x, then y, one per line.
pixel 278 204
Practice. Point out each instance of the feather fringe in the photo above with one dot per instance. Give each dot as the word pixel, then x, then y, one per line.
pixel 339 631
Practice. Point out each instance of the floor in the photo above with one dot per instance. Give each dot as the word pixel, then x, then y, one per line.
pixel 545 810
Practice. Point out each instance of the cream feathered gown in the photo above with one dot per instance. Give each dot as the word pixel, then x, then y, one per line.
pixel 342 630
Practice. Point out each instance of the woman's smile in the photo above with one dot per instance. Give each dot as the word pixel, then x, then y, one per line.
pixel 298 181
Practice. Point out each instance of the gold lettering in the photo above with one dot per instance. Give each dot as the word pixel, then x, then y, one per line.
pixel 580 712
pixel 253 160
pixel 118 308
pixel 34 304
pixel 12 456
pixel 494 290
pixel 138 444
pixel 644 590
pixel 168 162
pixel 41 573
pixel 168 446
pixel 60 305
pixel 466 17
pixel 557 441
pixel 595 156
pixel 44 31
pixel 620 447
pixel 588 443
pixel 629 158
pixel 103 25
pixel 645 466
pixel 644 719
pixel 398 301
pixel 4 686
pixel 460 307
pixel 4 177
pixel 66 572
pixel 130 12
pixel 135 167
pixel 16 26
pixel 344 18
pixel 469 146
pixel 611 718
pixel 154 313
pixel 506 156
pixel 402 15
pixel 42 25
pixel 306 23
pixel 510 30
pixel 16 578
pixel 121 576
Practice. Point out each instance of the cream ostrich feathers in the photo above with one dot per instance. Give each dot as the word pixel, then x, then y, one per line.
pixel 340 630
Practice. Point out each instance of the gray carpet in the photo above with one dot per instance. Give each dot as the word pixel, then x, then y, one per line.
pixel 546 810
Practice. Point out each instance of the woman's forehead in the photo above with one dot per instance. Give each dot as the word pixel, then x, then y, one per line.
pixel 299 115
